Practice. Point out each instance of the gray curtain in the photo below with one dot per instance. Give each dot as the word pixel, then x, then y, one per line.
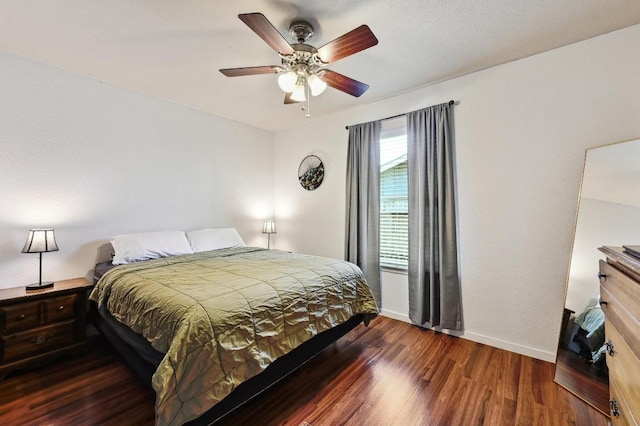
pixel 362 245
pixel 434 287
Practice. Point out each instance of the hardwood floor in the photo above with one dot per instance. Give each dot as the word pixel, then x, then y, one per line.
pixel 579 377
pixel 389 373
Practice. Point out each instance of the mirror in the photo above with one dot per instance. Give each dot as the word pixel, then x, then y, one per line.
pixel 608 211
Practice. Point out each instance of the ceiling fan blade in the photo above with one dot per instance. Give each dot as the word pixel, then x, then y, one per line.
pixel 288 100
pixel 344 83
pixel 266 31
pixel 352 42
pixel 238 72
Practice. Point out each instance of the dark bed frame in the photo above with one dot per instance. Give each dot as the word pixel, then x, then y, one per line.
pixel 246 391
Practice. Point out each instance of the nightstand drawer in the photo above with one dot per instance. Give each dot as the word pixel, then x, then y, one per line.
pixel 21 316
pixel 41 325
pixel 38 340
pixel 59 308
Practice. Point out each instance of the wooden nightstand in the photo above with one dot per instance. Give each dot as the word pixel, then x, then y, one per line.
pixel 37 326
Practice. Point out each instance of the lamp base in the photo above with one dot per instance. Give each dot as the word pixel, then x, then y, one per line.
pixel 39 286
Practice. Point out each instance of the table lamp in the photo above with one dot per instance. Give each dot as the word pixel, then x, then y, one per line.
pixel 269 228
pixel 40 241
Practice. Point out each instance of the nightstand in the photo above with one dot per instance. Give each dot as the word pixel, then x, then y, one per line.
pixel 37 326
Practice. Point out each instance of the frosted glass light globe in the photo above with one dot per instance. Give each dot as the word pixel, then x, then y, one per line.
pixel 287 81
pixel 316 85
pixel 298 93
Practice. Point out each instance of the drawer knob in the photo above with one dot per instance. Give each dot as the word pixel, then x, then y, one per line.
pixel 601 275
pixel 20 318
pixel 61 307
pixel 613 404
pixel 609 346
pixel 39 340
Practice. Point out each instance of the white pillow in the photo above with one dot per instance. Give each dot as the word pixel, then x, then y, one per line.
pixel 149 245
pixel 214 239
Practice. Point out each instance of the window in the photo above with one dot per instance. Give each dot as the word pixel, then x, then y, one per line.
pixel 394 204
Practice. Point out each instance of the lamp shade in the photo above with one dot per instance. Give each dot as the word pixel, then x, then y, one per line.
pixel 269 227
pixel 287 81
pixel 316 85
pixel 298 92
pixel 40 241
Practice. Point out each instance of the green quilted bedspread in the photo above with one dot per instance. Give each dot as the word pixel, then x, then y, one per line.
pixel 222 317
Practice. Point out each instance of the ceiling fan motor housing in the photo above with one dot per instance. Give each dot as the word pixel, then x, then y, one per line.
pixel 301 31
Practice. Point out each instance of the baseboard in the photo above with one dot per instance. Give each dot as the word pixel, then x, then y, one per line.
pixel 486 340
pixel 395 316
pixel 511 347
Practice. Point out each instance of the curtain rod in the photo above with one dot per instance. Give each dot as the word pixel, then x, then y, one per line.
pixel 452 102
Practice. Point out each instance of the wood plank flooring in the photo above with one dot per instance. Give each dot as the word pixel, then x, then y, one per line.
pixel 577 376
pixel 389 373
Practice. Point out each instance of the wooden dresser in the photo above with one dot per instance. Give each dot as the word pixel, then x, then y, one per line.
pixel 36 326
pixel 620 301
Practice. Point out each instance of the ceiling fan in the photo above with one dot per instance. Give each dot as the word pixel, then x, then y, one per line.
pixel 303 71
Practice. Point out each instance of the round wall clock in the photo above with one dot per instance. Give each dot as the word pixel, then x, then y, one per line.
pixel 311 172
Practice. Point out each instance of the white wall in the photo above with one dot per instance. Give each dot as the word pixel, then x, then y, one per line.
pixel 521 132
pixel 600 223
pixel 93 160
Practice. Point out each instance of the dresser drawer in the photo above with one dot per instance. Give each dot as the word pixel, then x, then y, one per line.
pixel 624 371
pixel 620 301
pixel 38 340
pixel 60 308
pixel 619 408
pixel 21 316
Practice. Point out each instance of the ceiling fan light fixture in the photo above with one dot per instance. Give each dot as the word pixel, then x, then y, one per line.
pixel 316 84
pixel 302 73
pixel 287 81
pixel 298 93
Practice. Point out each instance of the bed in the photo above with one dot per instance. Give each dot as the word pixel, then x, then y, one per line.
pixel 212 329
pixel 587 335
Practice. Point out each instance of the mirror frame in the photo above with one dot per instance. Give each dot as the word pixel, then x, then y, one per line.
pixel 602 406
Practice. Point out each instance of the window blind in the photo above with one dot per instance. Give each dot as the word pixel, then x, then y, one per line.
pixel 394 235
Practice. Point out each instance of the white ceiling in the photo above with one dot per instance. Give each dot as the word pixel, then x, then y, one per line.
pixel 173 48
pixel 612 173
